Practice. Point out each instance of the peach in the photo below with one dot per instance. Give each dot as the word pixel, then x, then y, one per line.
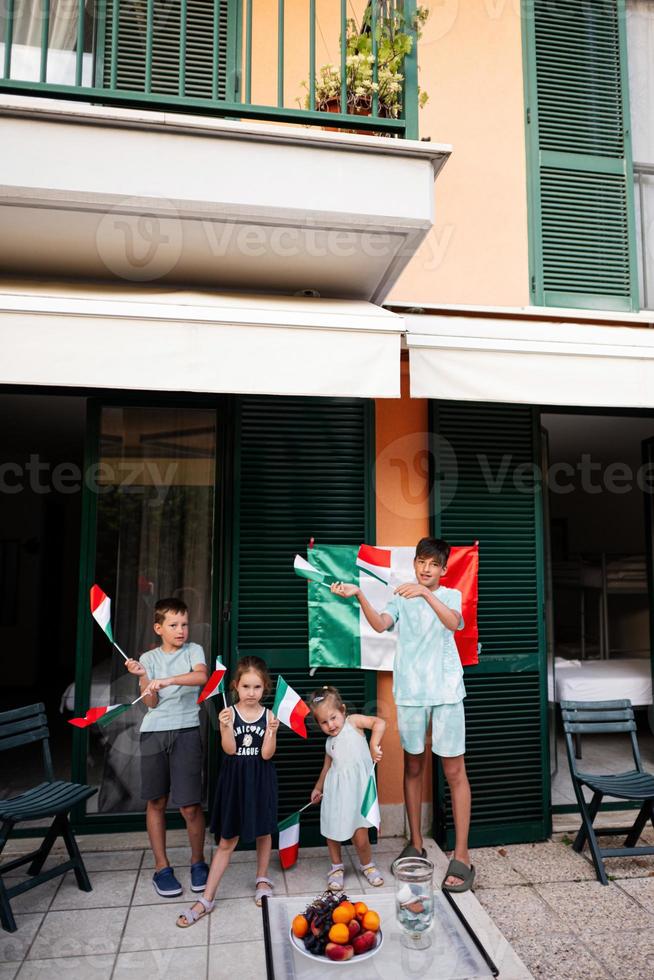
pixel 334 951
pixel 364 942
pixel 355 928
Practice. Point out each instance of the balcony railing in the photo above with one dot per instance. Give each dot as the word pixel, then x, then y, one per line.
pixel 286 62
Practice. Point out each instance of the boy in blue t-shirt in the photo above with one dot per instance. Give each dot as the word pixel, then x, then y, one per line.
pixel 428 687
pixel 171 749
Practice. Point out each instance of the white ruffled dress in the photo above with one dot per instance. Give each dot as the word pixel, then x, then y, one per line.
pixel 345 784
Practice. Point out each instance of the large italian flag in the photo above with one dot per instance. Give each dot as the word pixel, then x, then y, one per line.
pixel 339 633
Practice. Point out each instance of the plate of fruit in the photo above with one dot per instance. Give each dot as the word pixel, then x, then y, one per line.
pixel 337 930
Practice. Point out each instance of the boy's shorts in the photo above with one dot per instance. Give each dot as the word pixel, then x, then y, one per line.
pixel 448 728
pixel 171 765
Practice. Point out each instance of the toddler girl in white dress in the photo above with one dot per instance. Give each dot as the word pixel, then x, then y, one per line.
pixel 343 781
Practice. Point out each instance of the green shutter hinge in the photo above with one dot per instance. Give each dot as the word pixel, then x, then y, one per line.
pixel 528 115
pixel 227 611
pixel 533 284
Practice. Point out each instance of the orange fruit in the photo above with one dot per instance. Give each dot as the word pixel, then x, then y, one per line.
pixel 300 926
pixel 360 909
pixel 371 921
pixel 344 912
pixel 339 934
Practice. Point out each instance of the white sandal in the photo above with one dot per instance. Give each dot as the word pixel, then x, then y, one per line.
pixel 336 879
pixel 372 875
pixel 260 892
pixel 192 915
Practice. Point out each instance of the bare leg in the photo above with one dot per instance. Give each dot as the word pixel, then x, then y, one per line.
pixel 361 841
pixel 335 851
pixel 264 847
pixel 194 817
pixel 155 821
pixel 217 869
pixel 413 768
pixel 455 773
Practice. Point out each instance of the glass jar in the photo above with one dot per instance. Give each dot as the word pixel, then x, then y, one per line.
pixel 414 901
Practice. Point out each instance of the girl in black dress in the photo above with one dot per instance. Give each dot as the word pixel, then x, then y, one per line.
pixel 245 806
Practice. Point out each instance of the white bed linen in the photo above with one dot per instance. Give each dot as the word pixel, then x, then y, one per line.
pixel 603 680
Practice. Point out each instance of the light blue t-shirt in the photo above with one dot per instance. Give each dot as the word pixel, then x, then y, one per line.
pixel 177 707
pixel 427 668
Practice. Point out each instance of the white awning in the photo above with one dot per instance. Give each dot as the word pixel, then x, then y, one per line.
pixel 531 362
pixel 149 338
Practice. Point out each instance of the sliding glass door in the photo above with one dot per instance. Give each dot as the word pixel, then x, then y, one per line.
pixel 151 514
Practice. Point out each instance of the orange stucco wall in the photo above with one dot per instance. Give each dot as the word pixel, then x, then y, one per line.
pixel 402 518
pixel 470 59
pixel 470 64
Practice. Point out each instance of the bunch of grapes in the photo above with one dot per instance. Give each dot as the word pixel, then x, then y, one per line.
pixel 319 917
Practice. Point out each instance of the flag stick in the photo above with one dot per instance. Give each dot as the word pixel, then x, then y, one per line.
pixel 305 807
pixel 120 651
pixel 224 699
pixel 138 699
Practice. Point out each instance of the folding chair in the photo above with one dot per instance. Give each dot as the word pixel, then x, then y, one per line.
pixel 54 798
pixel 587 717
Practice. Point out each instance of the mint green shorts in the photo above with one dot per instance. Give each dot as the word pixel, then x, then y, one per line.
pixel 448 728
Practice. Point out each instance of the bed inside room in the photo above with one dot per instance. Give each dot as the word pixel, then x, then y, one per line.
pixel 597 591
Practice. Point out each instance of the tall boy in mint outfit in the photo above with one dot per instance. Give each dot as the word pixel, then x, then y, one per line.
pixel 428 687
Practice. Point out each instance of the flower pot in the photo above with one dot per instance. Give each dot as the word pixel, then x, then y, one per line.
pixel 362 107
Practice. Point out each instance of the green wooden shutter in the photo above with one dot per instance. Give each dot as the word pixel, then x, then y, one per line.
pixel 202 17
pixel 494 492
pixel 303 470
pixel 581 177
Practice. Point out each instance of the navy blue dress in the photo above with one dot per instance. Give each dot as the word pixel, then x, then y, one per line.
pixel 245 805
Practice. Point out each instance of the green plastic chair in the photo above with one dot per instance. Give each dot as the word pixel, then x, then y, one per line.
pixel 611 717
pixel 53 798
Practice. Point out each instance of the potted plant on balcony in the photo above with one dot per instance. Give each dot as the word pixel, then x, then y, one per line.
pixel 395 35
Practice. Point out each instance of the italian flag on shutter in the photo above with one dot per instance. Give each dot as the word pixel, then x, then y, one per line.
pixel 339 633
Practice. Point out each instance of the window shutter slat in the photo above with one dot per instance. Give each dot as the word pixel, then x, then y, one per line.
pixel 582 208
pixel 132 30
pixel 505 726
pixel 302 471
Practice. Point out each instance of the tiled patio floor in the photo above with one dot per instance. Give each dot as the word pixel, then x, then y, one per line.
pixel 562 923
pixel 543 897
pixel 123 930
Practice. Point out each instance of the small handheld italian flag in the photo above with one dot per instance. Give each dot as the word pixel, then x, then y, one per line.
pixel 101 612
pixel 102 716
pixel 305 569
pixel 376 562
pixel 370 805
pixel 215 684
pixel 289 707
pixel 289 840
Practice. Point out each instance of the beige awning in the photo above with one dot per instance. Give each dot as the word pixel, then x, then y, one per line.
pixel 530 361
pixel 157 339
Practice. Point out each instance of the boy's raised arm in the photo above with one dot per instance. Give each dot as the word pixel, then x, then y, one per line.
pixel 380 622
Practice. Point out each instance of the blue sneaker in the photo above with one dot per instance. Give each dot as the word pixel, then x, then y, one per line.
pixel 166 884
pixel 199 872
